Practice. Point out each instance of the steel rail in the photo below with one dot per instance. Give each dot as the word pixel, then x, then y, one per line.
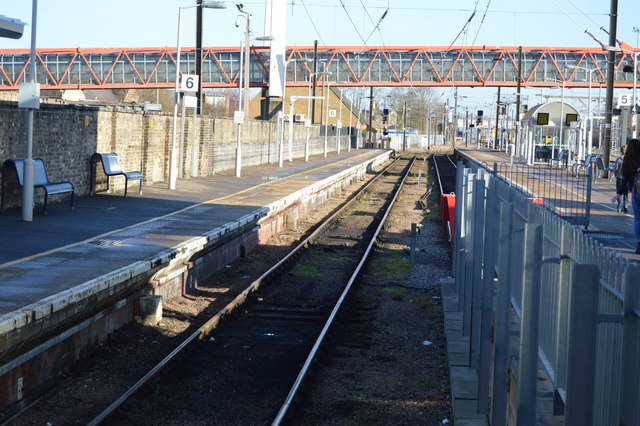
pixel 314 351
pixel 204 330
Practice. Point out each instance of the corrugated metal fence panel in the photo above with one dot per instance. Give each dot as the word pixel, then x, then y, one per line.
pixel 563 245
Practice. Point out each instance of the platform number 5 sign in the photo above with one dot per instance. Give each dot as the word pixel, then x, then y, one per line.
pixel 189 83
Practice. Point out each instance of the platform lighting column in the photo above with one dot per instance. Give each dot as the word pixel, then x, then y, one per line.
pixel 173 155
pixel 245 107
pixel 29 164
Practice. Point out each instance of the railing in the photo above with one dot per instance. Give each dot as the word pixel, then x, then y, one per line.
pixel 577 304
pixel 563 191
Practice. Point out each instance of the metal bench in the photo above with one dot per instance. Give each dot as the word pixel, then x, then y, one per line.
pixel 111 167
pixel 40 180
pixel 600 166
pixel 561 160
pixel 585 164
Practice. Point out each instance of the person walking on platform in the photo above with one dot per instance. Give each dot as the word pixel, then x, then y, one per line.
pixel 617 171
pixel 631 181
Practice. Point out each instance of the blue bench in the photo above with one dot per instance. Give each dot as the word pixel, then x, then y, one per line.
pixel 40 180
pixel 599 161
pixel 111 167
pixel 562 160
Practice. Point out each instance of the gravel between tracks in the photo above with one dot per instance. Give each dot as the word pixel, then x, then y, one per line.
pixel 389 364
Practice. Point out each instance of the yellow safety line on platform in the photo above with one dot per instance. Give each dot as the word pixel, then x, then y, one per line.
pixel 213 201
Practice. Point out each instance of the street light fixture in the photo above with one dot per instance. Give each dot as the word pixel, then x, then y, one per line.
pixel 11 28
pixel 173 156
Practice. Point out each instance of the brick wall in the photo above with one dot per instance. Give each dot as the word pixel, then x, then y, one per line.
pixel 65 137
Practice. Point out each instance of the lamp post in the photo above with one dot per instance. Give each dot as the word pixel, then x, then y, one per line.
pixel 29 165
pixel 245 67
pixel 240 115
pixel 173 156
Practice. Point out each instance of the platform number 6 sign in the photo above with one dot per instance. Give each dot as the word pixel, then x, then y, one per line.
pixel 189 83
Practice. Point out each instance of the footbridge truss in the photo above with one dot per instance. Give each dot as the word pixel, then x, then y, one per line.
pixel 349 66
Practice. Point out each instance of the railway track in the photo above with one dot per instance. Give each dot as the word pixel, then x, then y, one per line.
pixel 445 169
pixel 241 371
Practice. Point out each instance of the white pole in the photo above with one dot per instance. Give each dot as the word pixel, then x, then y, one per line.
pixel 350 121
pixel 241 107
pixel 339 122
pixel 29 164
pixel 309 95
pixel 281 136
pixel 562 123
pixel 173 155
pixel 247 66
pixel 290 143
pixel 281 119
pixel 306 144
pixel 326 123
pixel 194 145
pixel 183 120
pixel 359 127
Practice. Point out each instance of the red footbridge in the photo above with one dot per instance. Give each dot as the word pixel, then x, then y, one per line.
pixel 482 66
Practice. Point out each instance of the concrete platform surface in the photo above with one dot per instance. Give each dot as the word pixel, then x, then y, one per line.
pixel 56 258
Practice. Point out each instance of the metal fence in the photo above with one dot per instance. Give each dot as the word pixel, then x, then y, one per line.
pixel 577 304
pixel 564 191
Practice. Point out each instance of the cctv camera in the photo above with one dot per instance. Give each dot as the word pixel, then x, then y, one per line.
pixel 240 6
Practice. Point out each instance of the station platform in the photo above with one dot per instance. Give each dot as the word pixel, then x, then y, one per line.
pixel 612 229
pixel 58 266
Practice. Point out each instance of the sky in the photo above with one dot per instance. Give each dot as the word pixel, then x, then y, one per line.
pixel 153 23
